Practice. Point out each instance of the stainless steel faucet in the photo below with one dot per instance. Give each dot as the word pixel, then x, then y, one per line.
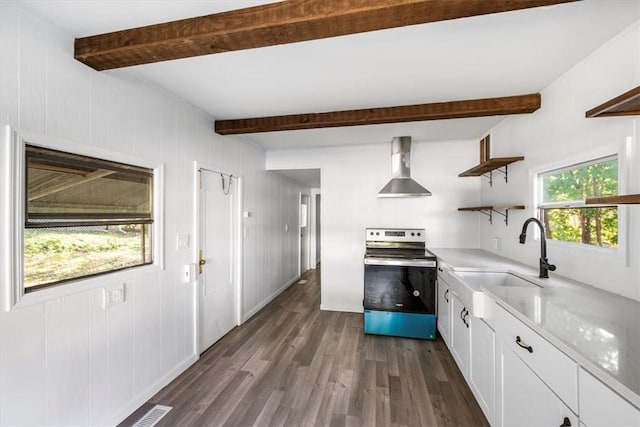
pixel 545 267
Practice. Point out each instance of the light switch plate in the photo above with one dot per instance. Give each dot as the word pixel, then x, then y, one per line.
pixel 182 241
pixel 188 273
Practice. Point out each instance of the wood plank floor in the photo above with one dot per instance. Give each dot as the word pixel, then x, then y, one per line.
pixel 292 364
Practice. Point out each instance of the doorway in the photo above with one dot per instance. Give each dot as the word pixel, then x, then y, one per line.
pixel 218 256
pixel 304 233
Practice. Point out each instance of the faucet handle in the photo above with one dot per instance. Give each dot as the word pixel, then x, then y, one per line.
pixel 546 265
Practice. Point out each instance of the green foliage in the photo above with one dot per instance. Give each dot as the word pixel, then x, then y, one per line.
pixel 54 255
pixel 594 180
pixel 565 225
pixel 596 226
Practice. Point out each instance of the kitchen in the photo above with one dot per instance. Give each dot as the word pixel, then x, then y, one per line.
pixel 43 86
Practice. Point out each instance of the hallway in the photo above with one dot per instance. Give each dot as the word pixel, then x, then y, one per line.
pixel 292 364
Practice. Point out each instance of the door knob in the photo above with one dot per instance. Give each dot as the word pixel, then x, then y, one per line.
pixel 201 262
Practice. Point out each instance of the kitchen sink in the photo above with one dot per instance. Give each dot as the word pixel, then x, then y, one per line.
pixel 467 286
pixel 478 279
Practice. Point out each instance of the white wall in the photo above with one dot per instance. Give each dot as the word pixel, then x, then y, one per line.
pixel 351 179
pixel 68 361
pixel 559 134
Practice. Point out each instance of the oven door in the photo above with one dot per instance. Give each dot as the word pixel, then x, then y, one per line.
pixel 400 285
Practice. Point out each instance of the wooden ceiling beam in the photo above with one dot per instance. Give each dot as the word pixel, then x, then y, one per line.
pixel 274 24
pixel 521 104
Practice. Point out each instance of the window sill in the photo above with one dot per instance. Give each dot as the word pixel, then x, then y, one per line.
pixel 79 286
pixel 616 256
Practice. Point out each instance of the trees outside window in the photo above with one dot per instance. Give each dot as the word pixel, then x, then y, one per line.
pixel 563 192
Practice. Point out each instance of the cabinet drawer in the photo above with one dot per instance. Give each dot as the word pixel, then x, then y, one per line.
pixel 443 271
pixel 555 368
pixel 524 400
pixel 601 406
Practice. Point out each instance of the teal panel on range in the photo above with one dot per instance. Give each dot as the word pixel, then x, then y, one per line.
pixel 398 324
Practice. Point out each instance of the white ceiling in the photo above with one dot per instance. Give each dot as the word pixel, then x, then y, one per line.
pixel 495 55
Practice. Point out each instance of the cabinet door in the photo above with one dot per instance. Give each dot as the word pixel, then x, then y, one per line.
pixel 482 362
pixel 444 309
pixel 459 335
pixel 524 400
pixel 602 407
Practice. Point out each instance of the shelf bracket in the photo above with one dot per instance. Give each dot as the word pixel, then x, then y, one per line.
pixel 505 172
pixel 505 215
pixel 488 213
pixel 490 176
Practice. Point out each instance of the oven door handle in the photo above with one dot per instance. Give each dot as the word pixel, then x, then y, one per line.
pixel 399 262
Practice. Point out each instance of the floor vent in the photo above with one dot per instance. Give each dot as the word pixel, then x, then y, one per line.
pixel 152 417
pixel 302 282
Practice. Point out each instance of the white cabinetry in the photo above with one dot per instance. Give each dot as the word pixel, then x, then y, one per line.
pixel 554 368
pixel 523 399
pixel 444 305
pixel 460 342
pixel 537 383
pixel 600 406
pixel 518 377
pixel 482 365
pixel 471 340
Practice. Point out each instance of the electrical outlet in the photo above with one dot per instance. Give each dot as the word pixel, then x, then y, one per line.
pixel 496 243
pixel 113 296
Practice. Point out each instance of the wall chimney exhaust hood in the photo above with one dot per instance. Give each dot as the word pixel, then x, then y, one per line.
pixel 401 185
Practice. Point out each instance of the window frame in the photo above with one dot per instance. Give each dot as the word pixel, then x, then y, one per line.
pixel 574 204
pixel 12 215
pixel 617 256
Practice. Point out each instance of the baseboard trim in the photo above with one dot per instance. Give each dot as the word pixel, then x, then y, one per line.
pixel 324 307
pixel 270 298
pixel 151 391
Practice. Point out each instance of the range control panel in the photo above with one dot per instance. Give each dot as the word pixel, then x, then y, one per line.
pixel 395 235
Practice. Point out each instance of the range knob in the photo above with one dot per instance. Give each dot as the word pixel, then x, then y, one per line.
pixel 413 234
pixel 377 233
pixel 418 234
pixel 416 293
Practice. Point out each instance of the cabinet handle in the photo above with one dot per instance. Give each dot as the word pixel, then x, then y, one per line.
pixel 566 422
pixel 440 270
pixel 463 316
pixel 446 298
pixel 530 350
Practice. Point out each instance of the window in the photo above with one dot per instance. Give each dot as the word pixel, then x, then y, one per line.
pixel 562 195
pixel 83 216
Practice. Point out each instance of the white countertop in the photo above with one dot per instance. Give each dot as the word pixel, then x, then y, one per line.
pixel 598 329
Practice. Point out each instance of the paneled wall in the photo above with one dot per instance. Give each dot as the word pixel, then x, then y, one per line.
pixel 559 135
pixel 351 179
pixel 68 361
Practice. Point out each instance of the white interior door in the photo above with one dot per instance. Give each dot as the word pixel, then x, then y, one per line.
pixel 218 214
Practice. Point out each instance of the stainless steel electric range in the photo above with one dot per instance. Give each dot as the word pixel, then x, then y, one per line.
pixel 399 284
